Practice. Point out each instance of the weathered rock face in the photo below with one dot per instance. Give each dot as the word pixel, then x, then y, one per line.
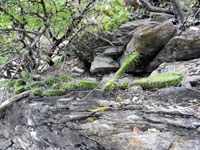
pixel 140 121
pixel 180 48
pixel 103 64
pixel 149 40
pixel 161 17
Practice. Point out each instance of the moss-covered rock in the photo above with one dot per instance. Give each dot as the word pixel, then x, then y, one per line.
pixel 111 84
pixel 66 77
pixel 88 84
pixel 37 92
pixel 19 90
pixel 53 92
pixel 69 86
pixel 10 86
pixel 51 80
pixel 34 85
pixel 123 85
pixel 170 79
pixel 127 64
pixel 19 83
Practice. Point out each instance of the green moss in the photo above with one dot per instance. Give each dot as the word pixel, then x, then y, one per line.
pixel 69 86
pixel 127 64
pixel 56 86
pixel 111 84
pixel 37 92
pixel 33 85
pixel 26 76
pixel 19 90
pixel 53 92
pixel 88 84
pixel 170 79
pixel 10 86
pixel 66 77
pixel 51 80
pixel 19 83
pixel 123 85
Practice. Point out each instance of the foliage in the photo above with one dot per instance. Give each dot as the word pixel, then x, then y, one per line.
pixel 26 76
pixel 69 86
pixel 50 80
pixel 37 92
pixel 111 84
pixel 53 92
pixel 65 77
pixel 123 85
pixel 19 90
pixel 19 83
pixel 88 84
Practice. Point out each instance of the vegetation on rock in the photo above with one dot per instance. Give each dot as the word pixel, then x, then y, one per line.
pixel 87 84
pixel 111 84
pixel 19 90
pixel 37 92
pixel 19 83
pixel 69 86
pixel 66 77
pixel 53 92
pixel 123 85
pixel 51 80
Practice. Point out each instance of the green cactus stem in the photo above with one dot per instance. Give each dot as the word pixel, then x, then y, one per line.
pixel 53 92
pixel 19 90
pixel 111 84
pixel 66 77
pixel 69 86
pixel 56 86
pixel 26 76
pixel 33 85
pixel 127 64
pixel 160 81
pixel 123 85
pixel 19 83
pixel 51 80
pixel 10 86
pixel 88 84
pixel 37 92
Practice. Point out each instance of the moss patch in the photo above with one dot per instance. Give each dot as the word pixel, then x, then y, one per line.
pixel 170 79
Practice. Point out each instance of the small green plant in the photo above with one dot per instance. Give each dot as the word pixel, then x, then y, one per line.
pixel 56 86
pixel 164 80
pixel 127 64
pixel 88 84
pixel 51 80
pixel 66 77
pixel 33 85
pixel 53 92
pixel 11 86
pixel 26 76
pixel 37 92
pixel 19 83
pixel 19 90
pixel 123 85
pixel 69 86
pixel 111 84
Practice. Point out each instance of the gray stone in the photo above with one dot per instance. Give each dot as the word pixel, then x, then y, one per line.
pixel 135 89
pixel 4 144
pixel 149 40
pixel 113 51
pixel 78 70
pixel 180 48
pixel 103 64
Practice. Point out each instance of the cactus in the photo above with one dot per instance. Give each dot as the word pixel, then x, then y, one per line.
pixel 170 79
pixel 127 64
pixel 123 85
pixel 10 85
pixel 33 85
pixel 51 80
pixel 19 90
pixel 56 86
pixel 53 92
pixel 19 83
pixel 88 84
pixel 66 77
pixel 26 76
pixel 37 92
pixel 111 84
pixel 69 86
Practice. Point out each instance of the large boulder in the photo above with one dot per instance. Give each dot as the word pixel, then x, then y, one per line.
pixel 180 48
pixel 149 40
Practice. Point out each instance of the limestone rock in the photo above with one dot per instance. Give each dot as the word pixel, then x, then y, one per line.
pixel 103 64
